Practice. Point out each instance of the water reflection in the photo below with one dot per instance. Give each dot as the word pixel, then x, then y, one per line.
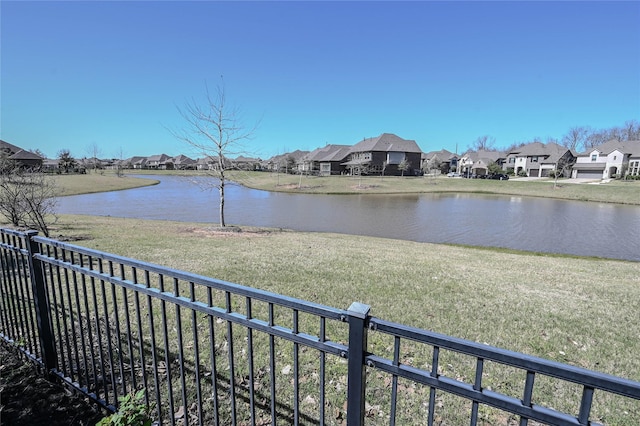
pixel 522 223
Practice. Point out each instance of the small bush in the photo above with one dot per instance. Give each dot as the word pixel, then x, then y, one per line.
pixel 132 412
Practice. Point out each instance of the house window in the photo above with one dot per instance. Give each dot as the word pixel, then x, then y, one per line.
pixel 512 160
pixel 395 157
pixel 634 168
pixel 594 157
pixel 534 159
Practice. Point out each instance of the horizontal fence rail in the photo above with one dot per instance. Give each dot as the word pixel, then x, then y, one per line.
pixel 208 351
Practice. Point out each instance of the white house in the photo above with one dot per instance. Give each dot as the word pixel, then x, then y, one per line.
pixel 610 160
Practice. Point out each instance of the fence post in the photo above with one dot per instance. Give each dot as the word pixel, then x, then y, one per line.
pixel 356 374
pixel 41 300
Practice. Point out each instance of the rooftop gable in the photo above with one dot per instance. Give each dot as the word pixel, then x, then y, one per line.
pixel 329 152
pixel 386 142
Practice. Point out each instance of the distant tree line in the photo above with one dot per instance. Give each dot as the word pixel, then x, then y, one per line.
pixel 578 138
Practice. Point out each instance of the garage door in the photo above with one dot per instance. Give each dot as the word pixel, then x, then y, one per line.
pixel 589 174
pixel 533 173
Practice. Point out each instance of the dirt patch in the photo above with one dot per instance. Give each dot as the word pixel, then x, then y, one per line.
pixel 231 231
pixel 300 187
pixel 363 187
pixel 27 398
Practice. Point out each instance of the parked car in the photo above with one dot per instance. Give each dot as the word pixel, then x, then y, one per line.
pixel 452 174
pixel 499 176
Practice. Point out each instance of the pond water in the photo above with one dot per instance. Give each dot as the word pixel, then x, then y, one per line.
pixel 533 224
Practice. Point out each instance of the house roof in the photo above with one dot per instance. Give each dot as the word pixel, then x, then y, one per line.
pixel 328 153
pixel 442 155
pixel 282 158
pixel 386 142
pixel 6 146
pixel 183 159
pixel 160 157
pixel 25 155
pixel 486 156
pixel 626 147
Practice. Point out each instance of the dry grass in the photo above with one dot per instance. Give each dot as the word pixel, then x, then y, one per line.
pixel 613 192
pixel 95 182
pixel 579 311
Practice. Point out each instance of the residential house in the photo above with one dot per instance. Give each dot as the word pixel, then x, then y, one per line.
pixel 182 162
pixel 286 163
pixel 537 159
pixel 443 160
pixel 206 163
pixel 383 154
pixel 325 161
pixel 610 160
pixel 21 157
pixel 159 162
pixel 476 163
pixel 134 163
pixel 247 163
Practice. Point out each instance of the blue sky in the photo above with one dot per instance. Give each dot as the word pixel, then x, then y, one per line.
pixel 111 74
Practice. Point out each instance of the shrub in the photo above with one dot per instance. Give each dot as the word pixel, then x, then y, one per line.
pixel 132 412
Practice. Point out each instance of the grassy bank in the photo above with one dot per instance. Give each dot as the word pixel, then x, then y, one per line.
pixel 581 311
pixel 96 182
pixel 620 192
pixel 573 310
pixel 612 192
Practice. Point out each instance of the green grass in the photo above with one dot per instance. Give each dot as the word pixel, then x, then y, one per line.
pixel 580 311
pixel 96 182
pixel 623 192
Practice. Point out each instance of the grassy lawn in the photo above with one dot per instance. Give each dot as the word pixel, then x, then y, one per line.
pixel 579 311
pixel 95 182
pixel 622 192
pixel 613 192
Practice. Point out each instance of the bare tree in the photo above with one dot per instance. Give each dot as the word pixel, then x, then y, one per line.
pixel 404 166
pixel 576 138
pixel 120 162
pixel 28 199
pixel 93 150
pixel 631 130
pixel 483 143
pixel 214 130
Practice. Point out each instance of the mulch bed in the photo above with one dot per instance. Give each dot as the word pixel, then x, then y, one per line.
pixel 27 398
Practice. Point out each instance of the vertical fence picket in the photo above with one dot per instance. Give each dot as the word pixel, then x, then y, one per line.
pixel 181 360
pixel 232 370
pixel 394 381
pixel 154 361
pixel 212 360
pixel 252 401
pixel 323 357
pixel 196 353
pixel 435 359
pixel 296 373
pixel 272 367
pixel 92 354
pixel 528 394
pixel 82 374
pixel 127 320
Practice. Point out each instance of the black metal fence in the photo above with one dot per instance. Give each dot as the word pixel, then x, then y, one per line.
pixel 212 352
